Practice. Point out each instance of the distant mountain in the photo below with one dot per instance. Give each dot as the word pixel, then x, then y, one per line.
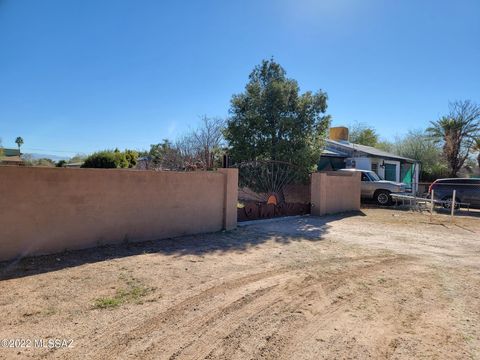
pixel 36 156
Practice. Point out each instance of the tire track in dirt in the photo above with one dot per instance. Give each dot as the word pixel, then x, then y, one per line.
pixel 275 300
pixel 118 327
pixel 184 309
pixel 395 326
pixel 289 315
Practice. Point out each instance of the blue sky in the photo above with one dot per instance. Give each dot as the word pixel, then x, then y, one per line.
pixel 83 75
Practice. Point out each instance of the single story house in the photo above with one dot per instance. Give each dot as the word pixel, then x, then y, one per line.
pixel 74 165
pixel 339 153
pixel 11 157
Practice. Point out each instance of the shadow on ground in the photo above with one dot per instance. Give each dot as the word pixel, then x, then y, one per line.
pixel 280 230
pixel 463 212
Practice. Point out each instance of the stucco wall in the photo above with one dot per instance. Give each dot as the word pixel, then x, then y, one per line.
pixel 334 192
pixel 46 210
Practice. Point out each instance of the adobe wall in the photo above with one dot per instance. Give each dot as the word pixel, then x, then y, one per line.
pixel 335 192
pixel 47 210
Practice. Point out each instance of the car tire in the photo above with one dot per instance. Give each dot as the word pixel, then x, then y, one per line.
pixel 383 198
pixel 447 201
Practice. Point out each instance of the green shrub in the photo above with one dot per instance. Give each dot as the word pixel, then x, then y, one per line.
pixel 131 156
pixel 111 159
pixel 106 159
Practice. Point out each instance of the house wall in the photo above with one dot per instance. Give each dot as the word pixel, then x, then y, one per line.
pixel 334 192
pixel 366 164
pixel 417 178
pixel 47 210
pixel 380 170
pixel 397 174
pixel 362 163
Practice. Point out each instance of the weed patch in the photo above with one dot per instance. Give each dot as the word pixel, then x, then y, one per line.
pixel 132 293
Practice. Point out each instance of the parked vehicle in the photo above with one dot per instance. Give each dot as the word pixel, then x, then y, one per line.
pixel 377 189
pixel 467 191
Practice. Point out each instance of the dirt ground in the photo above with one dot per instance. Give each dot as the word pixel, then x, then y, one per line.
pixel 380 284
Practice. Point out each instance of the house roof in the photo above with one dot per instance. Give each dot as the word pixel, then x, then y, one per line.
pixel 10 152
pixel 75 164
pixel 11 159
pixel 333 153
pixel 368 150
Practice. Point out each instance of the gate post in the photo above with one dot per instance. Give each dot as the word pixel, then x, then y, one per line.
pixel 230 196
pixel 317 194
pixel 333 192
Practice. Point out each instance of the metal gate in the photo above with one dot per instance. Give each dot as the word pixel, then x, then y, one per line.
pixel 270 189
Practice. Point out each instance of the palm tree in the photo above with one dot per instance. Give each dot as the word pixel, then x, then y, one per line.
pixel 19 142
pixel 456 132
pixel 476 148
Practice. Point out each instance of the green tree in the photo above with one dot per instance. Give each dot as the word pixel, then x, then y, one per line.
pixel 456 133
pixel 271 120
pixel 165 156
pixel 19 142
pixel 385 145
pixel 362 134
pixel 131 156
pixel 106 159
pixel 44 162
pixel 418 145
pixel 61 163
pixel 120 159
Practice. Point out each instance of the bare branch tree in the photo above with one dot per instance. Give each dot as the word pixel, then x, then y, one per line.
pixel 208 140
pixel 198 149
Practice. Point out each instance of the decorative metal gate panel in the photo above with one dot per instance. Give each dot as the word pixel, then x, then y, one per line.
pixel 270 189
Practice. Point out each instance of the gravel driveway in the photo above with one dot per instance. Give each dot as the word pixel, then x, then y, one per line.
pixel 380 284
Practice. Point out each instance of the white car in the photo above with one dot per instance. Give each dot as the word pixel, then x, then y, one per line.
pixel 377 189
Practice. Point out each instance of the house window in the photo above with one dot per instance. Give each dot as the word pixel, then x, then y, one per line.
pixel 375 168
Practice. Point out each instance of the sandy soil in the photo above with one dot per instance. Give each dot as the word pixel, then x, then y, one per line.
pixel 381 284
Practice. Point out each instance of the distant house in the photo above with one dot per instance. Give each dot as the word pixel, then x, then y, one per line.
pixel 74 165
pixel 11 157
pixel 143 163
pixel 339 153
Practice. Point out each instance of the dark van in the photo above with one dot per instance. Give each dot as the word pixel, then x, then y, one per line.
pixel 467 191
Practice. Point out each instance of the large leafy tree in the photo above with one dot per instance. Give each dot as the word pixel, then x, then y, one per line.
pixel 456 133
pixel 109 159
pixel 363 134
pixel 131 157
pixel 102 159
pixel 418 145
pixel 272 120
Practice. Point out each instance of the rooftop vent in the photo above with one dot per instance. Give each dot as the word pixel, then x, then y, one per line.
pixel 339 133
